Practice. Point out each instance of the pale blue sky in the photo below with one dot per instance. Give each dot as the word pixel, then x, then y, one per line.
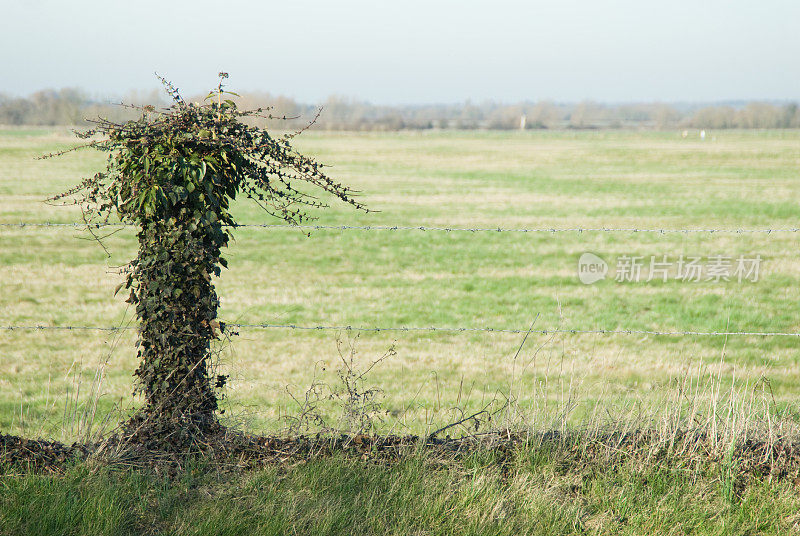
pixel 410 51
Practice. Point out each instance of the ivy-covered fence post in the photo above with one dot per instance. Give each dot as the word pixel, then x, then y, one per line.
pixel 177 307
pixel 174 173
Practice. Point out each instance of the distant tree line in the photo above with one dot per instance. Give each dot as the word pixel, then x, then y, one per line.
pixel 72 106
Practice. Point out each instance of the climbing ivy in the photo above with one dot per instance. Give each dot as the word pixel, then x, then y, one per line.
pixel 174 172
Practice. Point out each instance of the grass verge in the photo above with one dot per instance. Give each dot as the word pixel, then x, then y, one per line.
pixel 555 487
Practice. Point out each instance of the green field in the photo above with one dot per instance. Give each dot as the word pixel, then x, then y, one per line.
pixel 645 180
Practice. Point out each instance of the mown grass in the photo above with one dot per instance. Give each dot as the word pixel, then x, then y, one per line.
pixel 501 280
pixel 539 491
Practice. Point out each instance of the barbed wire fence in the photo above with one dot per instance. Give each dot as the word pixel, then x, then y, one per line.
pixel 423 228
pixel 434 329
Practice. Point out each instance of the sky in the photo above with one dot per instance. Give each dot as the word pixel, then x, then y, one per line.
pixel 410 51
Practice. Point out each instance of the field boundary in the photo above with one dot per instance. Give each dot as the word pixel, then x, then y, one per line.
pixel 424 228
pixel 434 329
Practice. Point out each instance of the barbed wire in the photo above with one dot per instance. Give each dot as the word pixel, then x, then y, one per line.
pixel 65 328
pixel 55 224
pixel 424 228
pixel 441 329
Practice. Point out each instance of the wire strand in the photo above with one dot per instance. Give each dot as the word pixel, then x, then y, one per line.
pixel 440 329
pixel 444 229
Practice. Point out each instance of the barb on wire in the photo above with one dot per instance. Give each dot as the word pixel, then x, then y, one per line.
pixel 449 229
pixel 445 330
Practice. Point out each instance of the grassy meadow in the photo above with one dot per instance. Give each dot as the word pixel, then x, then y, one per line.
pixel 731 180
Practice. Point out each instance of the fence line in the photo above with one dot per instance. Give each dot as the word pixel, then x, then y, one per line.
pixel 423 228
pixel 438 329
pixel 433 328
